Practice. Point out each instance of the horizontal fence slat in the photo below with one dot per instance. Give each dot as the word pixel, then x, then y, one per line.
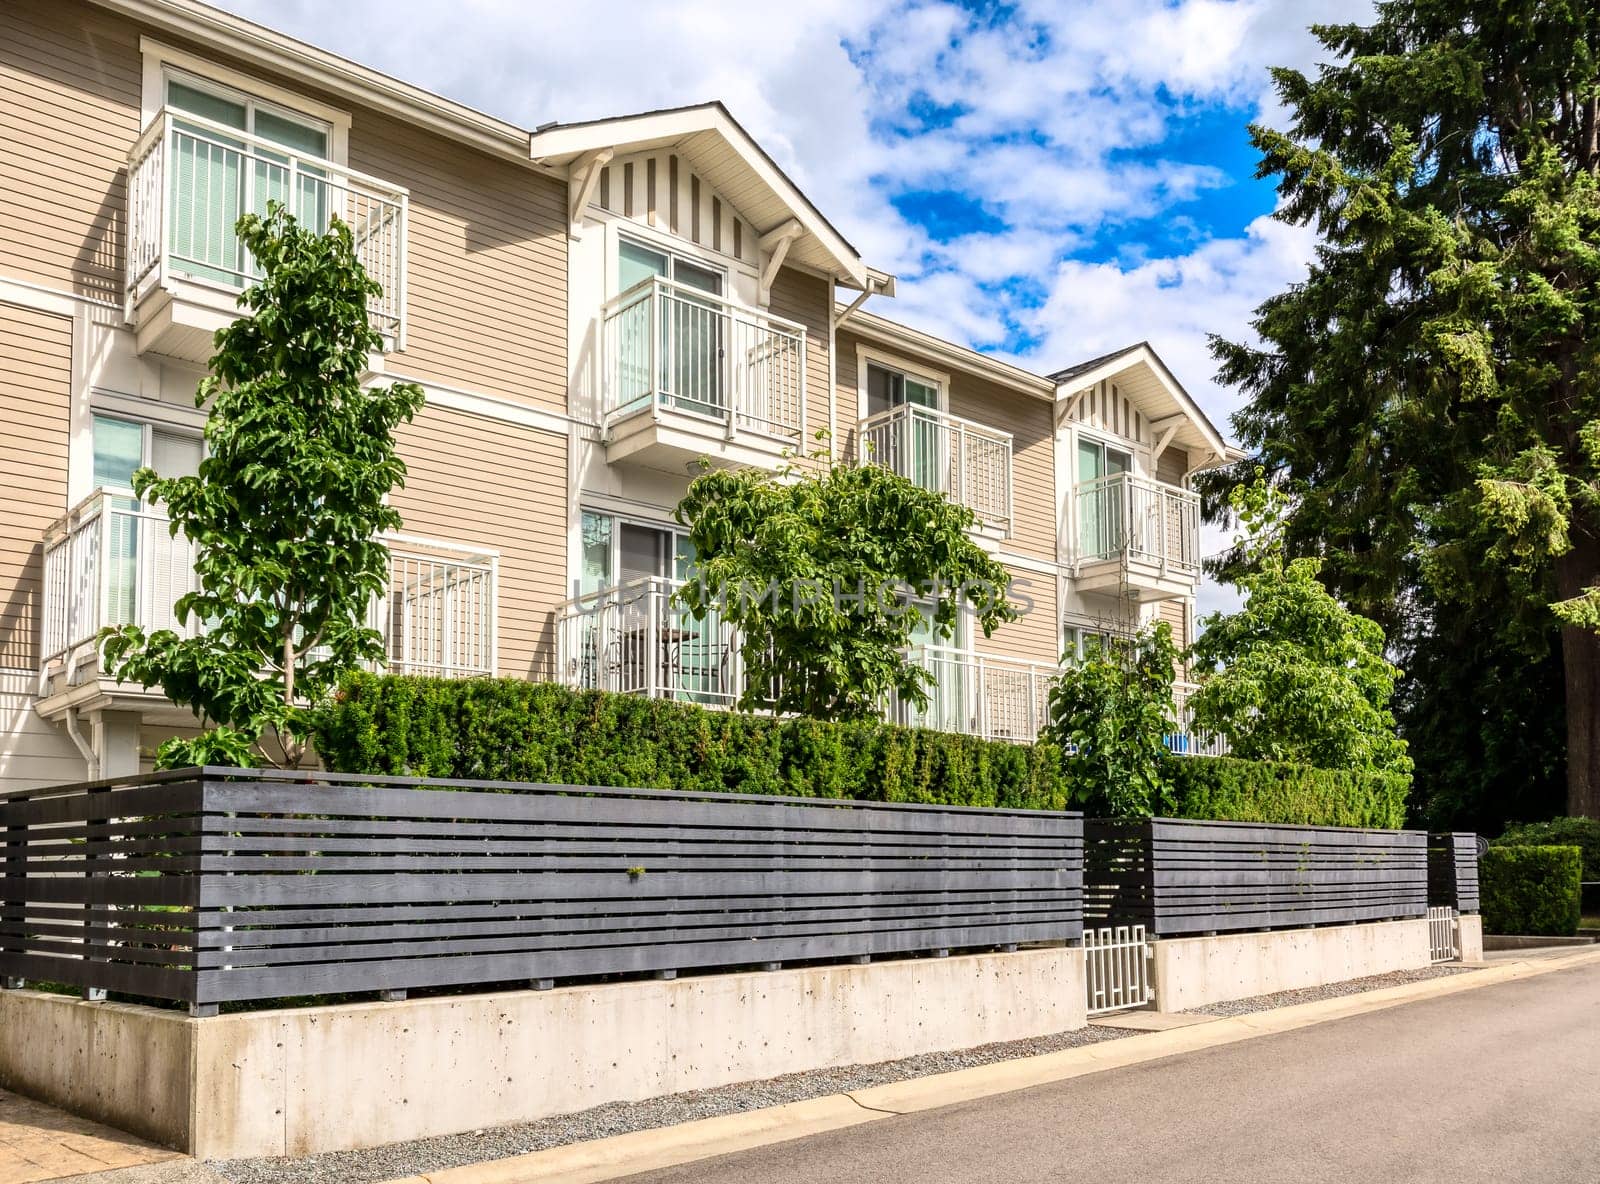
pixel 1181 877
pixel 226 886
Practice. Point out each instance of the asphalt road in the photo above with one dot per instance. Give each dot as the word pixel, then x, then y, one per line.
pixel 1496 1084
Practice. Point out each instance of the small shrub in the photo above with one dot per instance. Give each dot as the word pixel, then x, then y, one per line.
pixel 1582 833
pixel 1531 890
pixel 1234 790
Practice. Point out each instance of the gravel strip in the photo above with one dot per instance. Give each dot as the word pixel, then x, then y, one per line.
pixel 447 1151
pixel 1354 986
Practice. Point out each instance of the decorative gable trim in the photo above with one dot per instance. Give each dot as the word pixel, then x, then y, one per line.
pixel 658 189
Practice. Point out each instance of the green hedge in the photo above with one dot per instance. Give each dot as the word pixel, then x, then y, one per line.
pixel 1531 890
pixel 1263 791
pixel 1582 833
pixel 511 730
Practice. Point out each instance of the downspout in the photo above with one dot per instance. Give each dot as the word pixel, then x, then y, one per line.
pixel 85 749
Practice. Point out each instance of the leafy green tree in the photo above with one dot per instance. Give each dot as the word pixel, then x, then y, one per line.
pixel 1294 675
pixel 822 571
pixel 284 513
pixel 1110 714
pixel 1430 387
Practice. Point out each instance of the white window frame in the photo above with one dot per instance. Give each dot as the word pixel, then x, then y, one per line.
pixel 739 279
pixel 871 355
pixel 161 61
pixel 618 520
pixel 149 426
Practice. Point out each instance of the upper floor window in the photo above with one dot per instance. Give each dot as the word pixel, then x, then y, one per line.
pixel 216 177
pixel 139 550
pixel 887 389
pixel 1096 460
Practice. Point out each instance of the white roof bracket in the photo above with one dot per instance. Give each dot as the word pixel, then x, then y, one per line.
pixel 774 248
pixel 582 178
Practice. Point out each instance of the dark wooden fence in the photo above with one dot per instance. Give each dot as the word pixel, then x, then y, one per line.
pixel 1184 877
pixel 213 885
pixel 1453 870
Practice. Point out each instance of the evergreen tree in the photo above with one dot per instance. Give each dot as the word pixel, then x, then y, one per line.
pixel 1432 389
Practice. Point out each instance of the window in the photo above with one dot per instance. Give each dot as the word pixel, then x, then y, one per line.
pixel 139 549
pixel 216 177
pixel 617 551
pixel 1086 642
pixel 887 389
pixel 690 332
pixel 913 445
pixel 1103 511
pixel 636 637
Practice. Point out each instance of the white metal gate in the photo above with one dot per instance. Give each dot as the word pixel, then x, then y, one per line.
pixel 1444 935
pixel 1117 968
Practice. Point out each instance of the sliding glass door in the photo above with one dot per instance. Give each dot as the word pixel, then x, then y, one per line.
pixel 1102 507
pixel 690 372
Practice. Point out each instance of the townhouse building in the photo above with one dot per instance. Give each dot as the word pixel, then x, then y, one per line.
pixel 593 309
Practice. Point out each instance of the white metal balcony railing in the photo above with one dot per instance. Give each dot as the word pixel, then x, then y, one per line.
pixel 1186 741
pixel 667 346
pixel 190 179
pixel 635 639
pixel 968 462
pixel 1124 516
pixel 111 561
pixel 986 695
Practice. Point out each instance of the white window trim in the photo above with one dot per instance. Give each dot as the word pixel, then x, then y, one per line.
pixel 669 250
pixel 619 518
pixel 161 59
pixel 1139 453
pixel 149 425
pixel 619 226
pixel 870 355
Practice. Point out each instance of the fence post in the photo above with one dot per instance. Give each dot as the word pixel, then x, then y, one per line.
pixel 96 831
pixel 13 909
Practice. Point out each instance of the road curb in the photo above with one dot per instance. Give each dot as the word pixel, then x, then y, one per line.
pixel 662 1147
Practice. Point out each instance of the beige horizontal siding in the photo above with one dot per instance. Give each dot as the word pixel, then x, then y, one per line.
pixel 1171 465
pixel 492 484
pixel 802 297
pixel 1034 636
pixel 487 267
pixel 1033 470
pixel 69 112
pixel 1176 614
pixel 35 405
pixel 33 751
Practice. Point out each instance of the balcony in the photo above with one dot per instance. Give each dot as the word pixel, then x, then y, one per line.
pixel 984 695
pixel 685 374
pixel 1138 539
pixel 111 561
pixel 189 180
pixel 966 461
pixel 1186 741
pixel 634 639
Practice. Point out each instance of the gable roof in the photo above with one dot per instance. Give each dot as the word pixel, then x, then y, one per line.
pixel 730 160
pixel 1141 375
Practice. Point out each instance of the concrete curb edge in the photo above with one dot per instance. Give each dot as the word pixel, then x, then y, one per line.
pixel 661 1147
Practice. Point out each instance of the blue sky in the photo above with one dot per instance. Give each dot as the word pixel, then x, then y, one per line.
pixel 1048 180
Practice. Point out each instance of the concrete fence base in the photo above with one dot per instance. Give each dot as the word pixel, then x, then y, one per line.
pixel 1193 972
pixel 297 1082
